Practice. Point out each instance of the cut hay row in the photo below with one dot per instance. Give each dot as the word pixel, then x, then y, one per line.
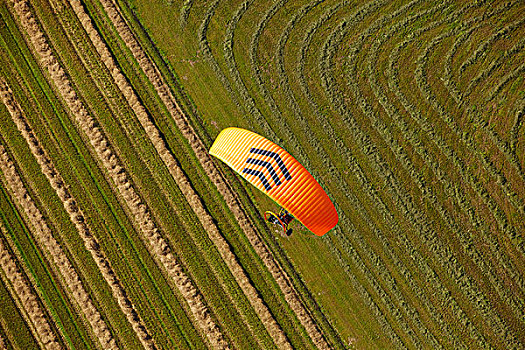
pixel 183 183
pixel 185 12
pixel 513 75
pixel 3 343
pixel 22 288
pixel 70 279
pixel 146 285
pixel 517 125
pixel 484 74
pixel 213 173
pixel 157 244
pixel 77 217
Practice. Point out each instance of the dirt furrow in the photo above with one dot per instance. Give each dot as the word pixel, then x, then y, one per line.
pixel 76 215
pixel 70 279
pixel 158 246
pixel 42 329
pixel 182 181
pixel 214 174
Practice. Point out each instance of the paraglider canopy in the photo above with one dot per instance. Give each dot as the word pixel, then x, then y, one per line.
pixel 276 173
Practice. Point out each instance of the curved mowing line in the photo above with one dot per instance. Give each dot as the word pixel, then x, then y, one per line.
pixel 355 167
pixel 362 100
pixel 281 47
pixel 454 266
pixel 450 188
pixel 468 142
pixel 282 42
pixel 385 168
pixel 465 239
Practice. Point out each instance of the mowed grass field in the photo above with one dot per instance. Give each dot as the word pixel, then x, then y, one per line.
pixel 119 231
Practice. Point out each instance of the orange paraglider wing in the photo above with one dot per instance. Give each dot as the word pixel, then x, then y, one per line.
pixel 275 172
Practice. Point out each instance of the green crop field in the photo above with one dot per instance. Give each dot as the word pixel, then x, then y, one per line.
pixel 119 231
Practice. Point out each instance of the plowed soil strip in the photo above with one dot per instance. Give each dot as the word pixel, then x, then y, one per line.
pixel 76 215
pixel 182 181
pixel 157 244
pixel 70 280
pixel 41 328
pixel 214 174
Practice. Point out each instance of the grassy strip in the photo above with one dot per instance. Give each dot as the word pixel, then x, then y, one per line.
pixel 139 211
pixel 38 271
pixel 110 220
pixel 29 302
pixel 181 180
pixel 15 332
pixel 160 199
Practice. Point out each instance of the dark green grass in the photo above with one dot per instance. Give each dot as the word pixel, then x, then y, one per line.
pixel 178 45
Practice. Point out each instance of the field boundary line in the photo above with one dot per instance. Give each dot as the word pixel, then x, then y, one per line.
pixel 183 182
pixel 41 328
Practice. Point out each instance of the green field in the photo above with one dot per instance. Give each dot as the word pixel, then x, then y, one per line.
pixel 127 234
